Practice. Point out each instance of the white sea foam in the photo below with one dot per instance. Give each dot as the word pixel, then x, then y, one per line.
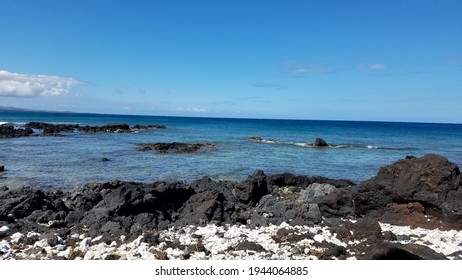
pixel 269 141
pixel 341 146
pixel 373 147
pixel 311 145
pixel 302 144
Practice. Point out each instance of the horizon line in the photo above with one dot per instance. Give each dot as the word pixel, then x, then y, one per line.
pixel 10 108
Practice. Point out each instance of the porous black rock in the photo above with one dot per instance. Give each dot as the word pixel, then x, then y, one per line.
pixel 249 246
pixel 52 129
pixel 212 202
pixel 126 207
pixel 175 147
pixel 319 142
pixel 9 131
pixel 204 208
pixel 150 126
pixel 255 139
pixel 252 189
pixel 22 202
pixel 395 251
pixel 105 128
pixel 414 191
pixel 411 187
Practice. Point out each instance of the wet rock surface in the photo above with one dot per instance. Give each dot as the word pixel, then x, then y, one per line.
pixel 255 139
pixel 106 128
pixel 9 131
pixel 175 147
pixel 52 129
pixel 319 142
pixel 151 126
pixel 281 216
pixel 48 129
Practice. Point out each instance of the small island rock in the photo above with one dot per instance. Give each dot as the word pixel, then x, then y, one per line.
pixel 319 142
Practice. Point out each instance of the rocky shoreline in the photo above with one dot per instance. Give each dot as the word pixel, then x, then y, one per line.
pixel 46 129
pixel 411 210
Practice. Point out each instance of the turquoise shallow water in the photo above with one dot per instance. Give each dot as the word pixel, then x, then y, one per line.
pixel 358 149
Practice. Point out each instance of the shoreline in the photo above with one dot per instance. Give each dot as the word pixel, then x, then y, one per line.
pixel 282 216
pixel 64 154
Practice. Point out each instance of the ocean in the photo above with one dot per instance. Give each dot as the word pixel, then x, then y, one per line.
pixel 357 151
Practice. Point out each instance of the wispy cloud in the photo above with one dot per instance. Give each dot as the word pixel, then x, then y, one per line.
pixel 294 69
pixel 21 85
pixel 270 85
pixel 190 110
pixel 375 66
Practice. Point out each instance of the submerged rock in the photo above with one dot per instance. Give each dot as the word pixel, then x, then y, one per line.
pixel 175 147
pixel 105 128
pixel 151 126
pixel 255 139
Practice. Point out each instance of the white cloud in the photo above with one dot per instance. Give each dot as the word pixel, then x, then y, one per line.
pixel 21 85
pixel 376 66
pixel 191 110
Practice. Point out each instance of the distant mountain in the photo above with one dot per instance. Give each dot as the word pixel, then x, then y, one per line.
pixel 4 108
pixel 15 109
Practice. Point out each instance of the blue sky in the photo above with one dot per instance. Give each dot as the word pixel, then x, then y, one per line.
pixel 335 60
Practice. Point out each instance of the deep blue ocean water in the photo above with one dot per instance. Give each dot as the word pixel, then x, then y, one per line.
pixel 358 149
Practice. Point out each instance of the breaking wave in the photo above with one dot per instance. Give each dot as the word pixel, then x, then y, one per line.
pixel 331 146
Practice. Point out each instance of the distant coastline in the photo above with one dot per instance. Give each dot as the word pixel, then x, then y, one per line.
pixel 17 109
